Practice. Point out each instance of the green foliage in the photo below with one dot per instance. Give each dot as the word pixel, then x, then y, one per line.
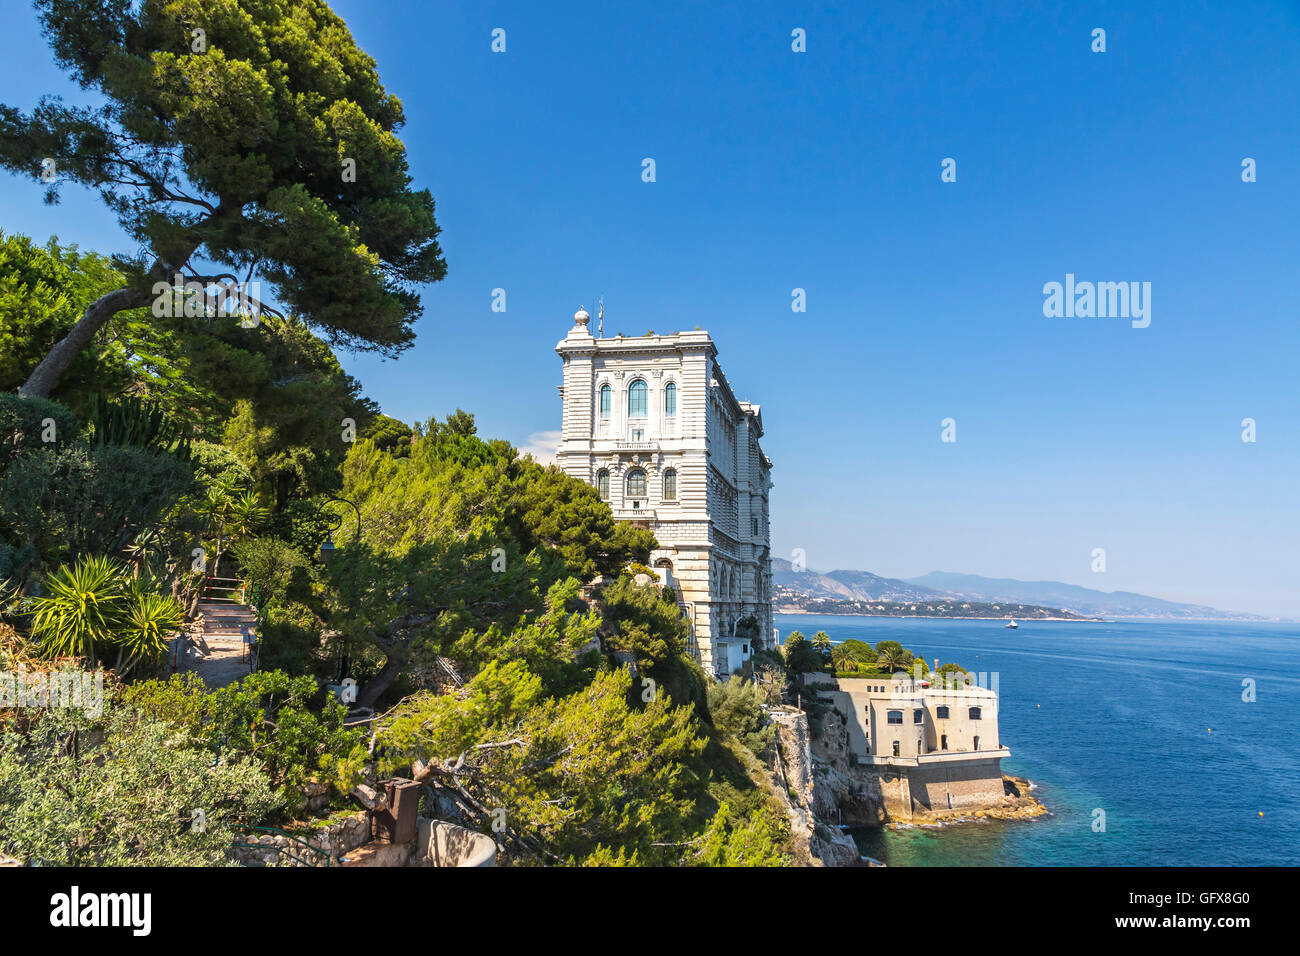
pixel 390 435
pixel 149 621
pixel 82 607
pixel 123 793
pixel 23 426
pixel 266 717
pixel 754 840
pixel 80 499
pixel 302 522
pixel 800 656
pixel 551 509
pixel 574 773
pixel 892 656
pixel 137 423
pixel 640 621
pixel 238 150
pixel 548 643
pixel 463 544
pixel 270 566
pixel 93 605
pixel 736 707
pixel 43 292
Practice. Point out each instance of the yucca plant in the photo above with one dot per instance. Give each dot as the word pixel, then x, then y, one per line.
pixel 144 550
pixel 81 608
pixel 149 621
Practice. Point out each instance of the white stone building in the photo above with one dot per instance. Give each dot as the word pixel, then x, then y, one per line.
pixel 653 424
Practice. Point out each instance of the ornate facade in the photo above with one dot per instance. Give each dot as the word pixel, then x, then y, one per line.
pixel 652 423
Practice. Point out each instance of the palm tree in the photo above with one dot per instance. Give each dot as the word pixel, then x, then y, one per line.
pixel 230 515
pixel 894 659
pixel 842 658
pixel 821 641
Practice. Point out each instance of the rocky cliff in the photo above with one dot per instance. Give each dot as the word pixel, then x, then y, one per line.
pixel 813 819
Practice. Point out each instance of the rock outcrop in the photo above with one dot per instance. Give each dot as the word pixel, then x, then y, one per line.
pixel 816 834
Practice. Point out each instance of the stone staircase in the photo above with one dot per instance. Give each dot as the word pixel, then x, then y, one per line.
pixel 218 650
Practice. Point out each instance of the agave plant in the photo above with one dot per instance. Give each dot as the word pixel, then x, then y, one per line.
pixel 81 607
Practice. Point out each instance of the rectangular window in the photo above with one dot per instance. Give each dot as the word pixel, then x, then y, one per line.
pixel 974 713
pixel 638 434
pixel 895 716
pixel 918 716
pixel 941 713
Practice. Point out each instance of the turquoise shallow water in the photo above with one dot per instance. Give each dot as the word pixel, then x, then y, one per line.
pixel 1142 719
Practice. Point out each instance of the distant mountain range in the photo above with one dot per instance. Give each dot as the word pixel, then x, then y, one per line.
pixel 946 585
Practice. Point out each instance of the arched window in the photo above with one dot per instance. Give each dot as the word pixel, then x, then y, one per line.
pixel 606 400
pixel 636 483
pixel 602 484
pixel 941 713
pixel 974 713
pixel 670 484
pixel 636 400
pixel 670 400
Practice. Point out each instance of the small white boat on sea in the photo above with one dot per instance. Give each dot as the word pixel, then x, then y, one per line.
pixel 1011 624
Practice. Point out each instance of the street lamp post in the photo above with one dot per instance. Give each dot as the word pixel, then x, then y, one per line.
pixel 327 548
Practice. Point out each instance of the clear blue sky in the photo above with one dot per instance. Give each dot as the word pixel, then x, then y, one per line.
pixel 820 170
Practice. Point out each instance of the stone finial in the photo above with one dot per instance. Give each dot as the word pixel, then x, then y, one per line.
pixel 581 317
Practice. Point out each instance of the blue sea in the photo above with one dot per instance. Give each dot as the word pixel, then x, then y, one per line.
pixel 1142 720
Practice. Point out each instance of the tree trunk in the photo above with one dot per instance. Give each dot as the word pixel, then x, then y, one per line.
pixel 46 375
pixel 382 681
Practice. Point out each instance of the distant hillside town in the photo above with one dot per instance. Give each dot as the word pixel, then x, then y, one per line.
pixel 946 594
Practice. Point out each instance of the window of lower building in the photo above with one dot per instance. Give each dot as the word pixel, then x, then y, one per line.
pixel 977 743
pixel 943 742
pixel 974 713
pixel 895 716
pixel 895 748
pixel 918 715
pixel 941 713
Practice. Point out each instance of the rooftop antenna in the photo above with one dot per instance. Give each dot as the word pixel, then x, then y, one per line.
pixel 600 318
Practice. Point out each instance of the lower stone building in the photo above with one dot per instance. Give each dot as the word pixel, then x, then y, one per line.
pixel 934 748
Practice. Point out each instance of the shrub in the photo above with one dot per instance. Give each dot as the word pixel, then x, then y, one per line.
pixel 122 796
pixel 23 426
pixel 736 707
pixel 94 605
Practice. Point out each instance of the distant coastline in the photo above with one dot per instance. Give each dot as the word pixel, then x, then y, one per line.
pixel 941 617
